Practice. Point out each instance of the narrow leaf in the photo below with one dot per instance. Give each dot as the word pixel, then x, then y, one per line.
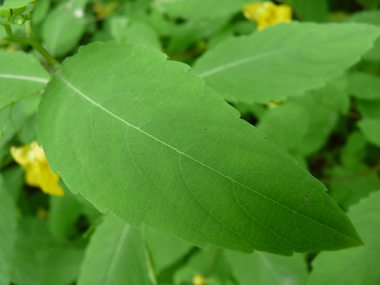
pixel 21 74
pixel 283 60
pixel 144 138
pixel 115 255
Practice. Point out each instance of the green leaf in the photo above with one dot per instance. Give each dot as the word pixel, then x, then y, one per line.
pixel 369 109
pixel 115 255
pixel 371 130
pixel 164 250
pixel 373 18
pixel 322 120
pixel 40 11
pixel 148 141
pixel 369 4
pixel 364 86
pixel 64 212
pixel 334 95
pixel 316 10
pixel 347 192
pixel 11 4
pixel 265 268
pixel 135 33
pixel 199 9
pixel 64 27
pixel 8 224
pixel 358 265
pixel 210 263
pixel 21 74
pixel 285 125
pixel 40 259
pixel 283 60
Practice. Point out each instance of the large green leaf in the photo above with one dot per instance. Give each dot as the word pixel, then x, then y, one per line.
pixel 283 60
pixel 266 268
pixel 115 255
pixel 144 138
pixel 21 74
pixel 358 265
pixel 8 223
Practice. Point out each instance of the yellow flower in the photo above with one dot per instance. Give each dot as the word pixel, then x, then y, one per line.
pixel 37 171
pixel 267 13
pixel 200 280
pixel 103 11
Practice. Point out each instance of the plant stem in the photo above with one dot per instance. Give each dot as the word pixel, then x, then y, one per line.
pixel 30 40
pixel 8 30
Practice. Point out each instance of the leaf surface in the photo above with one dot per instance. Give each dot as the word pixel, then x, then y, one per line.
pixel 198 9
pixel 357 265
pixel 283 60
pixel 21 74
pixel 144 138
pixel 8 224
pixel 115 255
pixel 266 268
pixel 64 27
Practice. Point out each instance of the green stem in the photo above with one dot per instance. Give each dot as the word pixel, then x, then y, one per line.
pixel 8 30
pixel 31 40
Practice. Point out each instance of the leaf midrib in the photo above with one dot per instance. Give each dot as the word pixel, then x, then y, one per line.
pixel 22 77
pixel 193 159
pixel 116 254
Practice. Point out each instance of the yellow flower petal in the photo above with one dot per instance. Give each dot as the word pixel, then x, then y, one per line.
pixel 267 13
pixel 37 171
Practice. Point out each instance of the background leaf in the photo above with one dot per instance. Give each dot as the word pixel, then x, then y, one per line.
pixel 148 141
pixel 115 255
pixel 64 27
pixel 302 57
pixel 266 268
pixel 8 224
pixel 21 74
pixel 359 265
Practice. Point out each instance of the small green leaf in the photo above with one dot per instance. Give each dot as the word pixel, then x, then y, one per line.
pixel 150 142
pixel 8 224
pixel 285 125
pixel 357 265
pixel 283 60
pixel 64 212
pixel 11 4
pixel 135 33
pixel 364 86
pixel 316 10
pixel 371 130
pixel 64 27
pixel 164 250
pixel 373 18
pixel 200 9
pixel 115 255
pixel 21 74
pixel 268 269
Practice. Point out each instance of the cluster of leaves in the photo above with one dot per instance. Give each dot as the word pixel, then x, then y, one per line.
pixel 149 148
